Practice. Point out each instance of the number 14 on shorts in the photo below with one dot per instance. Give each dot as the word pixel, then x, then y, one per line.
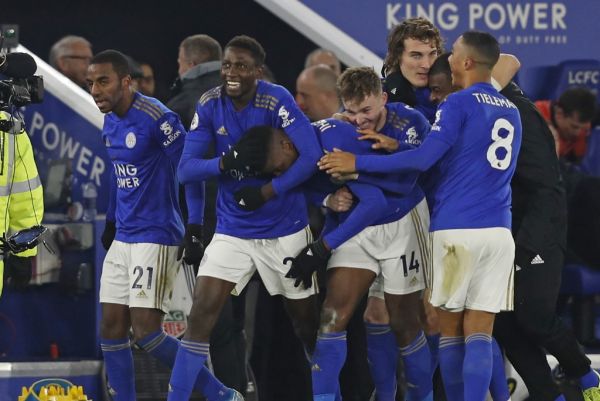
pixel 412 265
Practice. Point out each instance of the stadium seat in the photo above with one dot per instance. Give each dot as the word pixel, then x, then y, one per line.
pixel 582 283
pixel 549 82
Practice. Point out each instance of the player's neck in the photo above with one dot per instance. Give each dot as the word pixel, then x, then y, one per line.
pixel 125 104
pixel 240 102
pixel 381 120
pixel 477 77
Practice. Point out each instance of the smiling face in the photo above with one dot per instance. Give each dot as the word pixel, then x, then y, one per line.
pixel 416 59
pixel 367 113
pixel 239 73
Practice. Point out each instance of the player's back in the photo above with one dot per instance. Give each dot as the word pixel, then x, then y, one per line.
pixel 472 180
pixel 338 134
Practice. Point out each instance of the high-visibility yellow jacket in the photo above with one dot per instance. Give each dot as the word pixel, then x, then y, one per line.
pixel 21 196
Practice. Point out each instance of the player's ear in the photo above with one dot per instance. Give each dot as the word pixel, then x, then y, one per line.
pixel 384 96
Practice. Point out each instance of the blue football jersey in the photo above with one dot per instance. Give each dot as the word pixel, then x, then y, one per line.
pixel 217 121
pixel 380 191
pixel 144 146
pixel 408 126
pixel 471 184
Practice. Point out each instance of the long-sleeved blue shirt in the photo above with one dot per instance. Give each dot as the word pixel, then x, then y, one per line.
pixel 145 146
pixel 217 121
pixel 475 142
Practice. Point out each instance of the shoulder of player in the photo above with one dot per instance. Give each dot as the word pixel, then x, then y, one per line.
pixel 149 107
pixel 268 95
pixel 210 95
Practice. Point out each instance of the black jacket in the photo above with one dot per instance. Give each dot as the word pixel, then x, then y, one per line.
pixel 186 92
pixel 539 205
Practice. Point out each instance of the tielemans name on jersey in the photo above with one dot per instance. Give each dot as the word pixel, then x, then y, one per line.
pixel 493 100
pixel 126 175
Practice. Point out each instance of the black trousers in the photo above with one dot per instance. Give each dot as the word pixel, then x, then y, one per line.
pixel 534 327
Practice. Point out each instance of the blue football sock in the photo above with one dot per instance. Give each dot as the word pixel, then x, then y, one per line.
pixel 452 355
pixel 433 341
pixel 188 363
pixel 164 348
pixel 477 368
pixel 417 368
pixel 118 361
pixel 382 351
pixel 590 379
pixel 498 385
pixel 328 359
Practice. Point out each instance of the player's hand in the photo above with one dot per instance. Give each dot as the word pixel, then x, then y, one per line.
pixel 192 249
pixel 244 156
pixel 380 141
pixel 108 235
pixel 18 271
pixel 337 163
pixel 340 201
pixel 312 258
pixel 249 198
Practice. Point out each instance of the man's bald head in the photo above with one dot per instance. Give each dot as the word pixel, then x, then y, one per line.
pixel 326 57
pixel 316 92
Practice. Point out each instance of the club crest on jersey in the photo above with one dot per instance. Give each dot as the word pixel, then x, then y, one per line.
pixel 130 140
pixel 285 116
pixel 194 123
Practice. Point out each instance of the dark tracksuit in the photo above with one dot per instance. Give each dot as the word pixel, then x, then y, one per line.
pixel 539 228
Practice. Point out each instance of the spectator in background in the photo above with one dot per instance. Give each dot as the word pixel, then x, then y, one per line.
pixel 199 70
pixel 323 56
pixel 316 92
pixel 569 119
pixel 146 83
pixel 71 56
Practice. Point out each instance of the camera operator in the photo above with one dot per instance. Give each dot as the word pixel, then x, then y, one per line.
pixel 21 197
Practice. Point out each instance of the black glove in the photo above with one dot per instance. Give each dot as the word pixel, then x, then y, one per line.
pixel 249 198
pixel 247 155
pixel 17 271
pixel 193 246
pixel 108 235
pixel 312 258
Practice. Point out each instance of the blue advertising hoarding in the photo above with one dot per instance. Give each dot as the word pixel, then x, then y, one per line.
pixel 538 32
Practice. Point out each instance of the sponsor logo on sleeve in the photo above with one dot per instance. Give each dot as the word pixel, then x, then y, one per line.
pixel 286 121
pixel 167 130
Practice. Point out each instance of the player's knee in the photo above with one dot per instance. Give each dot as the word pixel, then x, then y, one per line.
pixel 333 319
pixel 405 325
pixel 141 331
pixel 376 312
pixel 113 329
